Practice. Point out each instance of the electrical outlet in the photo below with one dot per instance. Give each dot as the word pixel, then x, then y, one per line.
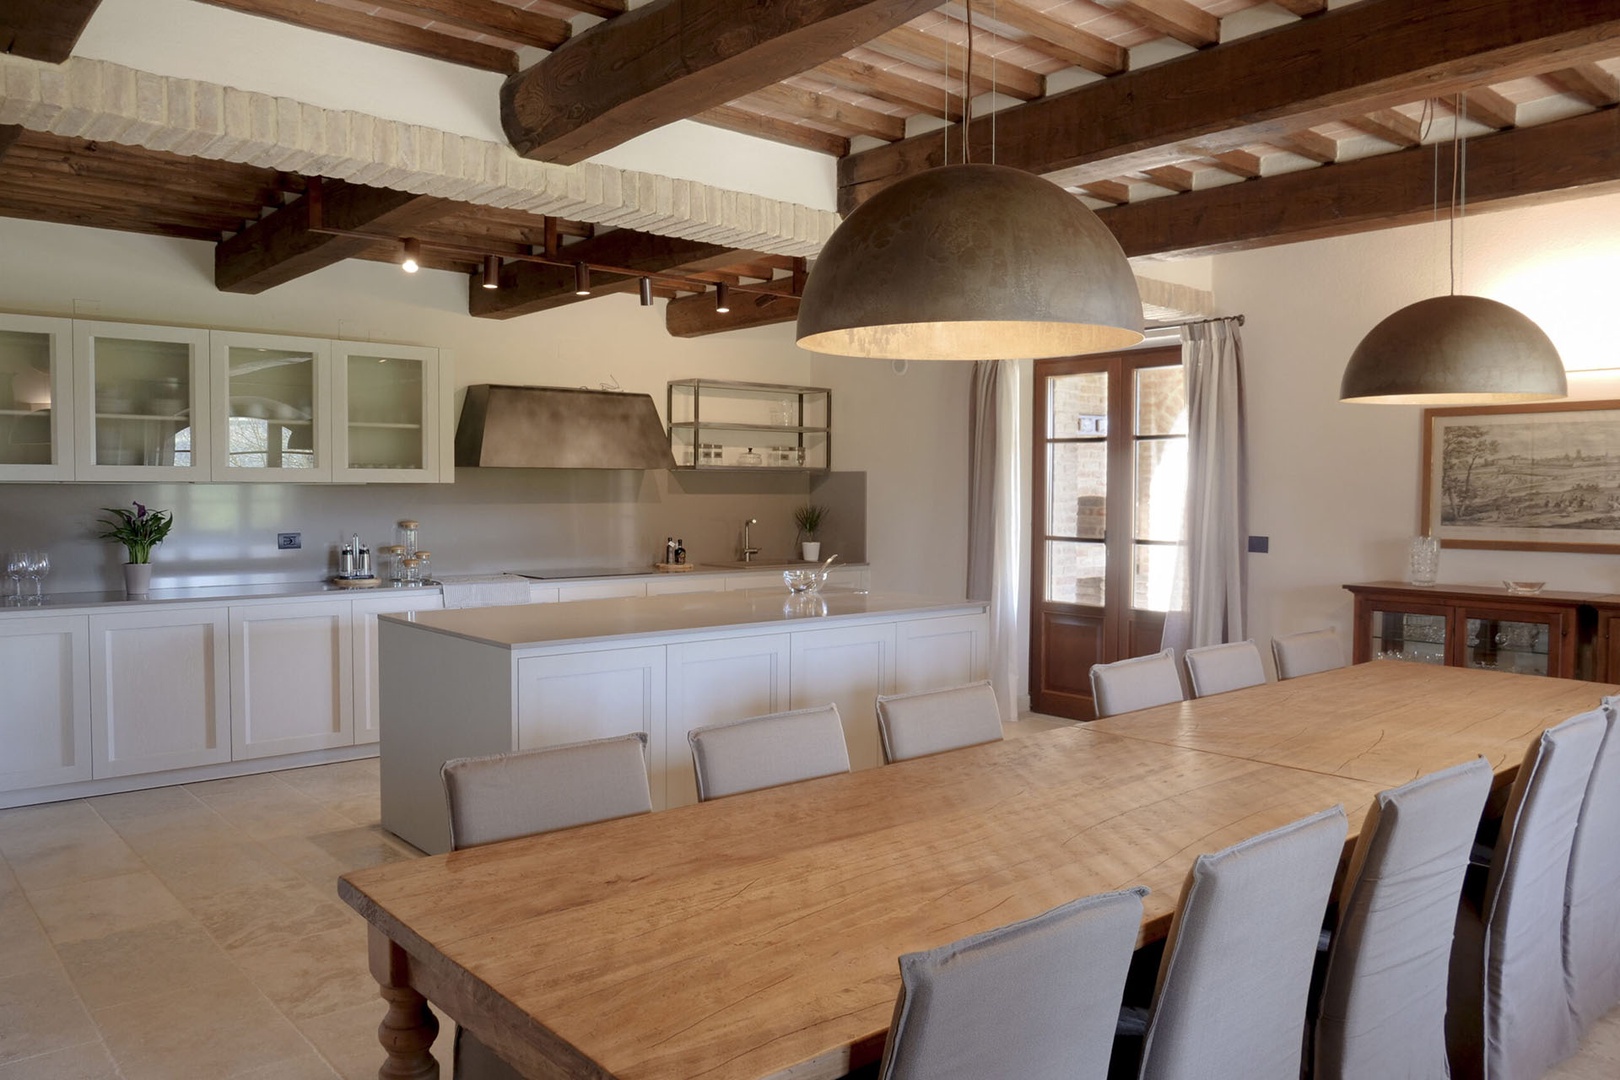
pixel 1260 545
pixel 289 541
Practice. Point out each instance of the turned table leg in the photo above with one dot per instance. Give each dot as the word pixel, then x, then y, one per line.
pixel 409 1028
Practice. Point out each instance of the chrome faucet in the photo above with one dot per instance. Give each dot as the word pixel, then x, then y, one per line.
pixel 748 553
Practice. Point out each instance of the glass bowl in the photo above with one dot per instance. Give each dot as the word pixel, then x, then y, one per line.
pixel 1524 588
pixel 801 580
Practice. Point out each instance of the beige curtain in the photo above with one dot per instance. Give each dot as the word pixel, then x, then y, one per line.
pixel 1211 606
pixel 995 445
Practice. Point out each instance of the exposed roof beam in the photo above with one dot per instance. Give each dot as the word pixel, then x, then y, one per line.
pixel 1590 83
pixel 378 31
pixel 280 247
pixel 1490 107
pixel 891 86
pixel 1366 56
pixel 607 9
pixel 487 17
pixel 1054 37
pixel 43 29
pixel 694 316
pixel 1187 23
pixel 830 111
pixel 1565 159
pixel 914 46
pixel 769 127
pixel 527 287
pixel 672 58
pixel 9 133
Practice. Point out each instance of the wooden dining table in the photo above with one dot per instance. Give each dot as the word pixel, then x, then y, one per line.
pixel 757 936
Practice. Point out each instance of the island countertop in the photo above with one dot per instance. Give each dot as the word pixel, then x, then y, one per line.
pixel 583 621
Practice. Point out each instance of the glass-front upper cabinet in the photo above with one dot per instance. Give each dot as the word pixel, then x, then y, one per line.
pixel 140 402
pixel 271 407
pixel 36 398
pixel 386 401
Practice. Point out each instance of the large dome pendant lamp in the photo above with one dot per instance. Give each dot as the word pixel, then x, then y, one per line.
pixel 1454 350
pixel 970 262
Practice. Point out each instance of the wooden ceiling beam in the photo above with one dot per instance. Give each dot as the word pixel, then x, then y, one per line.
pixel 44 29
pixel 694 316
pixel 605 9
pixel 1345 62
pixel 842 116
pixel 1490 107
pixel 1302 8
pixel 487 17
pixel 1312 145
pixel 9 134
pixel 670 59
pixel 915 46
pixel 1060 39
pixel 1391 126
pixel 1569 158
pixel 281 247
pixel 732 118
pixel 16 206
pixel 1588 82
pixel 389 33
pixel 891 86
pixel 528 287
pixel 1187 23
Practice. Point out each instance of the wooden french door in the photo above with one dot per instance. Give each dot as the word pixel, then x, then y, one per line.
pixel 1110 437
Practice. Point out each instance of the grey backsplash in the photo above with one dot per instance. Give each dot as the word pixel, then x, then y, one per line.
pixel 488 520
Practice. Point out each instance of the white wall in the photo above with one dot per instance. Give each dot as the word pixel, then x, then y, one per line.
pixel 1336 486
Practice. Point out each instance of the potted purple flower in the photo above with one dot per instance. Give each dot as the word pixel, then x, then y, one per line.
pixel 139 532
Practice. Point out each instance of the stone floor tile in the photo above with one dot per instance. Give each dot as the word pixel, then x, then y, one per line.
pixel 255 916
pixel 309 1066
pixel 348 1040
pixel 216 1028
pixel 146 961
pixel 314 975
pixel 40 1014
pixel 88 910
pixel 60 844
pixel 24 945
pixel 197 870
pixel 87 1061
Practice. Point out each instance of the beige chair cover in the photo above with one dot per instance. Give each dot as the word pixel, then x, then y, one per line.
pixel 1307 653
pixel 1592 906
pixel 1138 683
pixel 1237 966
pixel 933 721
pixel 1509 1015
pixel 505 796
pixel 1383 1008
pixel 764 751
pixel 1217 669
pixel 1036 1000
pixel 534 791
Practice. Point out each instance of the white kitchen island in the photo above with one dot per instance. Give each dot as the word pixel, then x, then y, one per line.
pixel 490 680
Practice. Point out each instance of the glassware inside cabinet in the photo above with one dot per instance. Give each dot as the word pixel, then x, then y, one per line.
pixel 1508 645
pixel 141 410
pixel 1402 635
pixel 27 421
pixel 271 408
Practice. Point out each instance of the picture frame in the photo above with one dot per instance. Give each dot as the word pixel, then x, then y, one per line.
pixel 1542 477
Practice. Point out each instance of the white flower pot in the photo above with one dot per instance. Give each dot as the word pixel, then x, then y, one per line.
pixel 810 550
pixel 137 579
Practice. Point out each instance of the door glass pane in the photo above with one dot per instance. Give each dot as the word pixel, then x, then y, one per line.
pixel 1399 635
pixel 272 409
pixel 1078 405
pixel 385 413
pixel 1074 572
pixel 1161 489
pixel 26 416
pixel 1076 489
pixel 1153 575
pixel 1161 401
pixel 142 402
pixel 1507 645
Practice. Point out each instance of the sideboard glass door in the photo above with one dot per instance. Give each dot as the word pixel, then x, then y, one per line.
pixel 1408 635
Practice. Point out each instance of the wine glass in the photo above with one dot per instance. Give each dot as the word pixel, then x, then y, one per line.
pixel 37 565
pixel 15 562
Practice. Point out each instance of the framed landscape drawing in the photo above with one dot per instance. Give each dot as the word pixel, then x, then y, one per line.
pixel 1531 477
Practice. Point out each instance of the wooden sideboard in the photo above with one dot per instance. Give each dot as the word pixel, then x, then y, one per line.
pixel 1570 635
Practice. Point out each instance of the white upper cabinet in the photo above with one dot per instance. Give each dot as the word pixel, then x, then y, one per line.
pixel 36 398
pixel 140 402
pixel 390 404
pixel 272 409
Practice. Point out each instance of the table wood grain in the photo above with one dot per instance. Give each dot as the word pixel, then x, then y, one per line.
pixel 1388 721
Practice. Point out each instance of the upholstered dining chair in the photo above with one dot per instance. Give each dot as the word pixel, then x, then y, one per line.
pixel 1217 669
pixel 1307 652
pixel 1592 903
pixel 505 796
pixel 1236 972
pixel 1138 683
pixel 1509 1013
pixel 1383 1004
pixel 933 721
pixel 1035 1000
pixel 764 751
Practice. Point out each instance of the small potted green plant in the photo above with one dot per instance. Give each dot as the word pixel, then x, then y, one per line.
pixel 809 518
pixel 139 532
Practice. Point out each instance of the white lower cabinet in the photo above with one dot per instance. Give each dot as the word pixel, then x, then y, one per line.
pixel 45 687
pixel 160 694
pixel 848 666
pixel 367 713
pixel 932 654
pixel 592 695
pixel 711 682
pixel 292 678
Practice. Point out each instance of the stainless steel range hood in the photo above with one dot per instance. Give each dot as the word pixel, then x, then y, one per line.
pixel 554 427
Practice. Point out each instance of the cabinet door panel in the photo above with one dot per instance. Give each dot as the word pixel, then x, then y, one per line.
pixel 45 723
pixel 160 690
pixel 141 403
pixel 36 398
pixel 932 654
pixel 387 402
pixel 711 682
pixel 291 678
pixel 850 667
pixel 593 695
pixel 271 411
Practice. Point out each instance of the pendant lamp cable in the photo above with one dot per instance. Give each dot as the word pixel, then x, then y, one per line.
pixel 967 91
